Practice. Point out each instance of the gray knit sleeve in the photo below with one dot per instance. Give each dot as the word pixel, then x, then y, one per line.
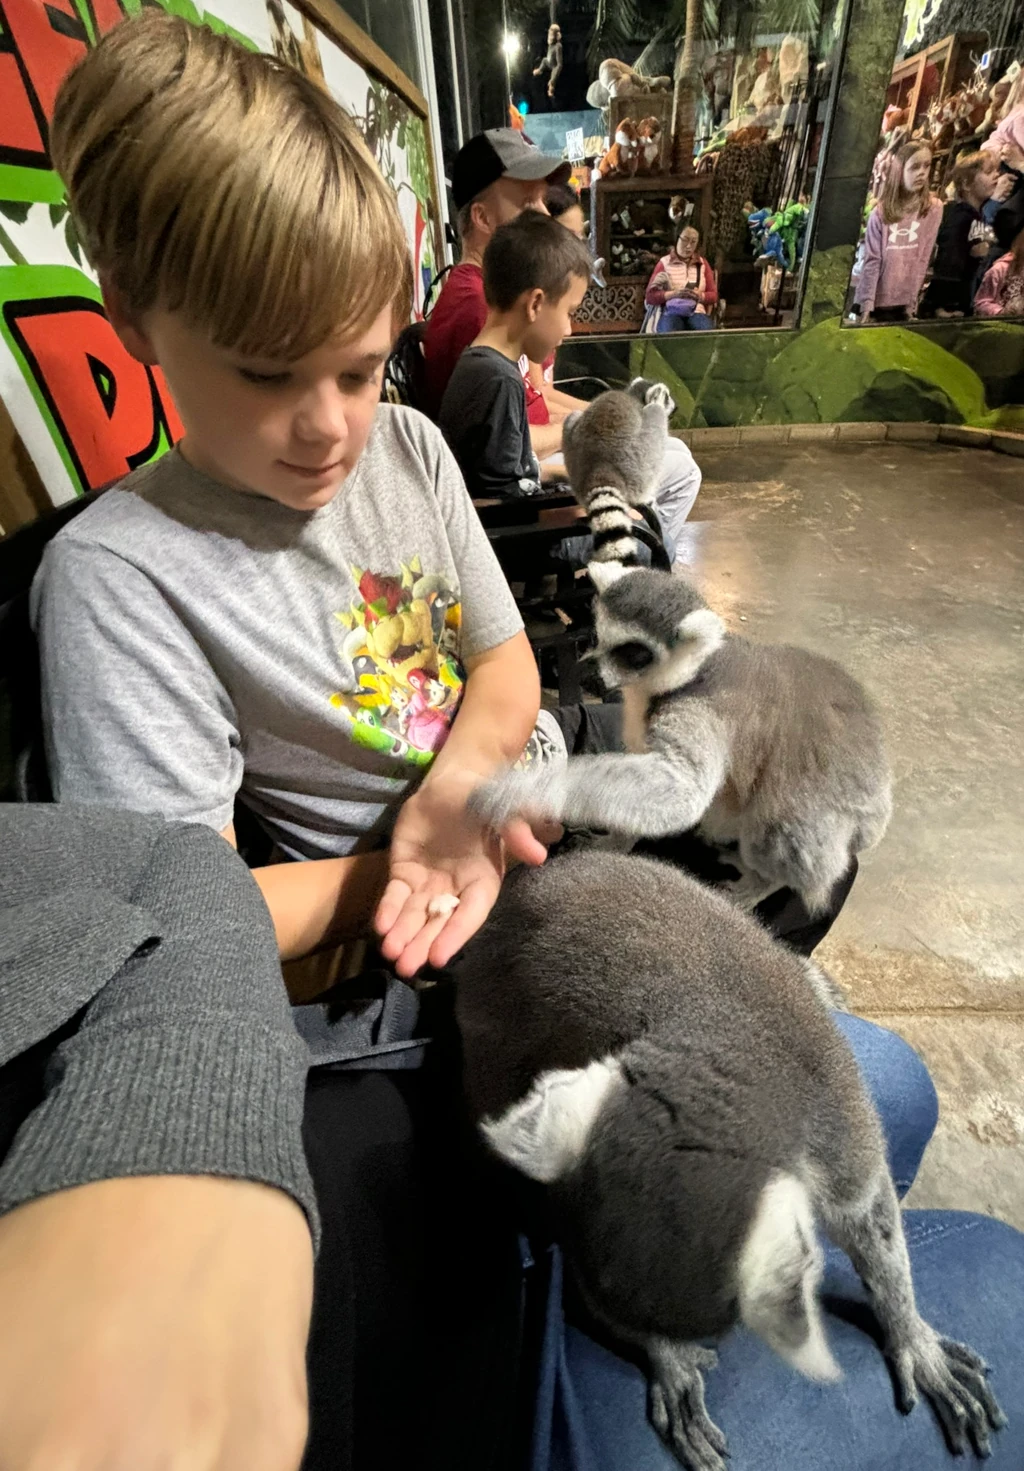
pixel 187 1061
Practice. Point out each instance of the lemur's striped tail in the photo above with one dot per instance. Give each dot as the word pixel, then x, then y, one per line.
pixel 618 535
pixel 613 528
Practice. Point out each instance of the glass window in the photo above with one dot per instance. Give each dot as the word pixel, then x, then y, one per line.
pixel 699 150
pixel 943 232
pixel 391 23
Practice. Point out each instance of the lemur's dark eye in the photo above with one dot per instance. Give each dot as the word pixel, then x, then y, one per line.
pixel 632 655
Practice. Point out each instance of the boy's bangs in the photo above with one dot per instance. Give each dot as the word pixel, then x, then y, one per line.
pixel 224 185
pixel 277 271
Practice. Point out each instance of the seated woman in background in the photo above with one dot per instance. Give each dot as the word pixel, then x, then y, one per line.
pixel 1001 293
pixel 683 288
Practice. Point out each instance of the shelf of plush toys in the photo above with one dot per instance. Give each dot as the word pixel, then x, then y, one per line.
pixel 637 220
pixel 942 96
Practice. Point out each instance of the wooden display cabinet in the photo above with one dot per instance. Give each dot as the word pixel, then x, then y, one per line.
pixel 952 59
pixel 641 242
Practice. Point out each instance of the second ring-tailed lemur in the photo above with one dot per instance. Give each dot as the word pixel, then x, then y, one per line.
pixel 613 454
pixel 772 753
pixel 676 1080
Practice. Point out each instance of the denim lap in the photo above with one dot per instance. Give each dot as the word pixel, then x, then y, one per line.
pixel 969 1276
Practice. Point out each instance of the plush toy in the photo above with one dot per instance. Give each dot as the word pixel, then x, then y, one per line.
pixel 997 101
pixel 616 79
pixel 717 80
pixel 679 210
pixel 624 154
pixel 552 62
pixel 649 152
pixel 778 238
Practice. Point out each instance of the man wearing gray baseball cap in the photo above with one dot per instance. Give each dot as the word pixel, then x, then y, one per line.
pixel 495 176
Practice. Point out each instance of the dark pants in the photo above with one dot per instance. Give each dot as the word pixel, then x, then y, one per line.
pixel 414 1349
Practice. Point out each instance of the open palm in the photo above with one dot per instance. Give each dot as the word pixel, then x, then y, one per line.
pixel 439 848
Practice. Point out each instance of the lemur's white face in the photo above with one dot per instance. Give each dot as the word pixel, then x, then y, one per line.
pixel 626 654
pixel 629 654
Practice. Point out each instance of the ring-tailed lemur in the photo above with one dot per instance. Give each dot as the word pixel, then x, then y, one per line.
pixel 613 457
pixel 676 1079
pixel 773 753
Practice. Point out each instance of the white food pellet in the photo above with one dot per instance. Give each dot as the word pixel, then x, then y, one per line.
pixel 441 906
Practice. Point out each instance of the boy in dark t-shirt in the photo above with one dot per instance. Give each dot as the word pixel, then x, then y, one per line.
pixel 487 425
pixel 535 276
pixel 963 240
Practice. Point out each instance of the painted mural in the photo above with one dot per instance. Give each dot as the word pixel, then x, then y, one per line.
pixel 86 411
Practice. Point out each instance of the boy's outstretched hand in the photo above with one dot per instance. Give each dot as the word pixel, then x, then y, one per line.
pixel 439 848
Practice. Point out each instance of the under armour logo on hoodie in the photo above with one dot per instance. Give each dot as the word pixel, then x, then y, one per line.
pixel 898 231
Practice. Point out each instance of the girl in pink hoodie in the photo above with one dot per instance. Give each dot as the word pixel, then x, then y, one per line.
pixel 899 239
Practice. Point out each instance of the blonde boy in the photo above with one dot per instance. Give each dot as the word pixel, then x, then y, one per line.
pixel 291 606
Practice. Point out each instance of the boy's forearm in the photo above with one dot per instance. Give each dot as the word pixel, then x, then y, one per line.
pixel 322 902
pixel 563 403
pixel 546 439
pixel 497 714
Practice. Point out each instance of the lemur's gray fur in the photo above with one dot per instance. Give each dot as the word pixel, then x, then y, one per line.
pixel 613 457
pixel 677 1081
pixel 775 754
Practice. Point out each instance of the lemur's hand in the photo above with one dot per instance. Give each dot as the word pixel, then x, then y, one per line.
pixel 659 394
pixel 536 793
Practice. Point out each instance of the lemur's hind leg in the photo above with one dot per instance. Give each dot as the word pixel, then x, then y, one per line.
pixel 952 1375
pixel 677 1408
pixel 749 890
pixel 809 855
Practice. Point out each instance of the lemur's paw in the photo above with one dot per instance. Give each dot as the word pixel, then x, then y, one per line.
pixel 677 1409
pixel 955 1379
pixel 659 394
pixel 513 794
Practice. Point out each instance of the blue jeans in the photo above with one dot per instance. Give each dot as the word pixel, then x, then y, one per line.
pixel 969 1275
pixel 695 322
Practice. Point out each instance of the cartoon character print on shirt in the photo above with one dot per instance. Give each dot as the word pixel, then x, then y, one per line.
pixel 402 676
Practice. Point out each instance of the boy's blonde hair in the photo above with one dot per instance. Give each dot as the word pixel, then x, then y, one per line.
pixel 222 184
pixel 968 167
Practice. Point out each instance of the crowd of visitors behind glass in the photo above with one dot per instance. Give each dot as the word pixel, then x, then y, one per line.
pixel 972 240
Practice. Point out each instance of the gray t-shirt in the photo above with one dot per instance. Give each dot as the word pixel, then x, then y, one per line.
pixel 199 641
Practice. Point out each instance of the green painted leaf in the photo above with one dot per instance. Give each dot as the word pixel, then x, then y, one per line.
pixel 14 210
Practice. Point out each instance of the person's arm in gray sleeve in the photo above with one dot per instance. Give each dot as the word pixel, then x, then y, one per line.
pixel 187 1061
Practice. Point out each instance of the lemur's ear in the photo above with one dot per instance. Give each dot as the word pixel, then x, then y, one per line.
pixel 545 1133
pixel 780 1268
pixel 603 574
pixel 703 627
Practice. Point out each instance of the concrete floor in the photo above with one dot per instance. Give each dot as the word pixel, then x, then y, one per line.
pixel 906 563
